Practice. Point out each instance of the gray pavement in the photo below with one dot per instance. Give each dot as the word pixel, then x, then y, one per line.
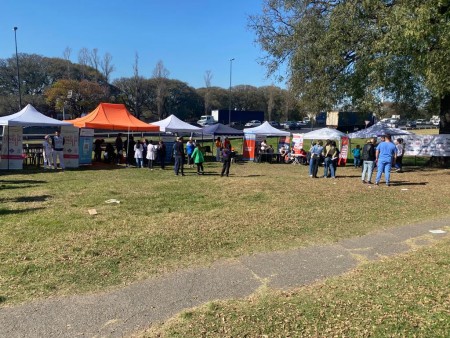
pixel 136 307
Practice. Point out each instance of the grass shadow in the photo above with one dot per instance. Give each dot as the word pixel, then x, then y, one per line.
pixel 21 211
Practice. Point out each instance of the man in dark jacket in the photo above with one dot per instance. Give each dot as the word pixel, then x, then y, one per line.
pixel 178 154
pixel 368 157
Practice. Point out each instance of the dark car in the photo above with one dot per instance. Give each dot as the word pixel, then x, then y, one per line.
pixel 411 124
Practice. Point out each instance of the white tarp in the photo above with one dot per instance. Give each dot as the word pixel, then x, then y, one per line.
pixel 324 134
pixel 427 145
pixel 267 130
pixel 174 125
pixel 378 129
pixel 28 117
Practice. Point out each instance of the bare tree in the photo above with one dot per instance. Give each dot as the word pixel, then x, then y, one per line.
pixel 160 74
pixel 106 66
pixel 66 56
pixel 208 77
pixel 137 87
pixel 94 59
pixel 83 59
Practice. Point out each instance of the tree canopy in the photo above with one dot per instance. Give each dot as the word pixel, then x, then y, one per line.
pixel 356 53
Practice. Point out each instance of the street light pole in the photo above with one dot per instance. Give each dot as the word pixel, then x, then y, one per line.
pixel 229 95
pixel 18 73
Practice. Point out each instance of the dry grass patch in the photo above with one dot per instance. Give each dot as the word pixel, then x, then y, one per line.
pixel 52 246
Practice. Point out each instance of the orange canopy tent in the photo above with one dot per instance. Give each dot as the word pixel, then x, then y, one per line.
pixel 112 117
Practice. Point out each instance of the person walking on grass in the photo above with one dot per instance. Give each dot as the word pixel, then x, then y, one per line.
pixel 368 157
pixel 400 151
pixel 316 153
pixel 198 159
pixel 139 154
pixel 385 156
pixel 226 158
pixel 190 146
pixel 178 154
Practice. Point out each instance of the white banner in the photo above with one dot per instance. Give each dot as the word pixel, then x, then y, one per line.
pixel 12 148
pixel 71 140
pixel 427 145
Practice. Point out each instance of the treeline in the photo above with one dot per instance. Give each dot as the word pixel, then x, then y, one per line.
pixel 55 84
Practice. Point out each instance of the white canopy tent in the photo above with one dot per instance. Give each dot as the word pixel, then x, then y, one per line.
pixel 13 125
pixel 267 130
pixel 28 117
pixel 379 129
pixel 173 124
pixel 324 134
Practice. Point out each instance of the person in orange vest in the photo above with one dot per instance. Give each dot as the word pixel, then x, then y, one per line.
pixel 219 147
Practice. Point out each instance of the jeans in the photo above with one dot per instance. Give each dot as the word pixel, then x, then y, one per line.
pixel 367 170
pixel 328 165
pixel 313 166
pixel 398 162
pixel 218 154
pixel 357 161
pixel 178 165
pixel 139 162
pixel 226 167
pixel 386 168
pixel 60 155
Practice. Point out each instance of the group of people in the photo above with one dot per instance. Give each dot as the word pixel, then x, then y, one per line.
pixel 384 155
pixel 329 154
pixel 53 151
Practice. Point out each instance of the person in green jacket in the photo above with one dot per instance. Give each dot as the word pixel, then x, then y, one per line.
pixel 198 158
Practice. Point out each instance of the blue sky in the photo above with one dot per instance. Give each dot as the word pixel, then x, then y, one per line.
pixel 189 36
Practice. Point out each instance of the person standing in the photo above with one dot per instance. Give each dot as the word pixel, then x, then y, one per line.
pixel 152 150
pixel 329 153
pixel 190 146
pixel 197 157
pixel 368 157
pixel 119 148
pixel 162 154
pixel 316 152
pixel 385 156
pixel 58 150
pixel 139 154
pixel 219 146
pixel 226 158
pixel 357 156
pixel 400 151
pixel 178 154
pixel 47 153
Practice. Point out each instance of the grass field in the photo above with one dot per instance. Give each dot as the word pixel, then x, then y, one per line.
pixel 52 246
pixel 404 296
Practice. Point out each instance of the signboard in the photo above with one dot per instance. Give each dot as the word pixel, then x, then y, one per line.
pixel 344 150
pixel 248 147
pixel 71 140
pixel 427 145
pixel 11 156
pixel 284 142
pixel 297 140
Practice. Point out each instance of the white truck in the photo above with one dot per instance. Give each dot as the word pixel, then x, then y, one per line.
pixel 206 120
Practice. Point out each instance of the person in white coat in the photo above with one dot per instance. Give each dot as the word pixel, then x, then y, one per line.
pixel 152 151
pixel 139 154
pixel 47 153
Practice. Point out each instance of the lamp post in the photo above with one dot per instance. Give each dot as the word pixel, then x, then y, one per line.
pixel 229 97
pixel 18 74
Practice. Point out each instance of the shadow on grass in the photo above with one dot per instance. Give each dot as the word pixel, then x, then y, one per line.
pixel 21 211
pixel 407 183
pixel 26 199
pixel 2 299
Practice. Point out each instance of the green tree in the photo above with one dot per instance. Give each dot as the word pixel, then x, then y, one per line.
pixel 354 53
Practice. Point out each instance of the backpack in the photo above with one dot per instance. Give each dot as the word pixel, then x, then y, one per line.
pixel 366 151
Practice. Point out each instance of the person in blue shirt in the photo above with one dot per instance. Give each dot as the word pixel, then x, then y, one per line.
pixel 316 153
pixel 190 146
pixel 385 156
pixel 357 156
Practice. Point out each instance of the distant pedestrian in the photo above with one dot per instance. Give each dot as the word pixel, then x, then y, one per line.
pixel 329 152
pixel 119 148
pixel 47 153
pixel 368 157
pixel 152 151
pixel 58 149
pixel 98 150
pixel 162 154
pixel 400 151
pixel 219 146
pixel 197 157
pixel 178 154
pixel 190 146
pixel 226 158
pixel 316 153
pixel 357 156
pixel 139 154
pixel 385 156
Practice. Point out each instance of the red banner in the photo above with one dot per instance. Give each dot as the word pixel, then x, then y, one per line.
pixel 344 151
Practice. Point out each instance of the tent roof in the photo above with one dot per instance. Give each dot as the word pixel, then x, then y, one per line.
pixel 221 129
pixel 174 124
pixel 378 129
pixel 324 134
pixel 28 117
pixel 267 130
pixel 112 117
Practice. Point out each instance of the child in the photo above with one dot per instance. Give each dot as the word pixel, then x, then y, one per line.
pixel 197 157
pixel 357 156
